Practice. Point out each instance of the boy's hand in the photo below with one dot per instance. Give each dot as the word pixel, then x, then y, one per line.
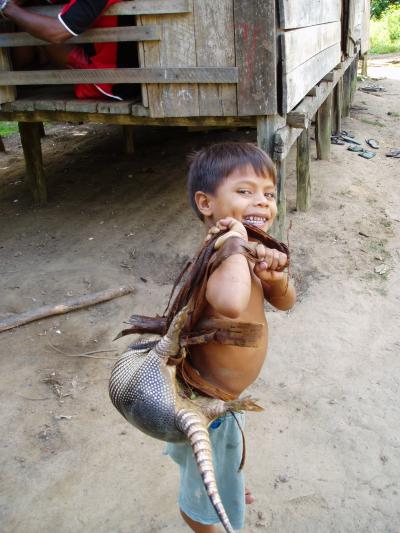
pixel 227 224
pixel 270 264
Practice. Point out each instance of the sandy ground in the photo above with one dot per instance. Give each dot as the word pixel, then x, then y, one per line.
pixel 325 454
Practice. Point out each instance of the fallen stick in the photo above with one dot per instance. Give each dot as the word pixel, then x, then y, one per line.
pixel 71 304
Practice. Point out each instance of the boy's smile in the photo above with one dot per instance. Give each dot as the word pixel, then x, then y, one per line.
pixel 244 196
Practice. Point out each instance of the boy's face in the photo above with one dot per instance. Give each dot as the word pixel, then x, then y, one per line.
pixel 244 196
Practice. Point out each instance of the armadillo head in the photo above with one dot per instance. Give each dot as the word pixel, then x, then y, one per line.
pixel 169 345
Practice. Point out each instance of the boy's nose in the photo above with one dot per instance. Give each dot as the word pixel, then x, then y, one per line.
pixel 261 199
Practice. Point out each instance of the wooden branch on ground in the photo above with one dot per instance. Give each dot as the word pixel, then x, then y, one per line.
pixel 71 304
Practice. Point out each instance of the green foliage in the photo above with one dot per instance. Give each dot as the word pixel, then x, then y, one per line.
pixel 393 22
pixel 378 7
pixel 385 33
pixel 8 128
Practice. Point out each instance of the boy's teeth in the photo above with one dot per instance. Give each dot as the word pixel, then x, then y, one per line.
pixel 255 220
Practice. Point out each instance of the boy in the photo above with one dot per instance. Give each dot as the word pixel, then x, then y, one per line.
pixel 231 183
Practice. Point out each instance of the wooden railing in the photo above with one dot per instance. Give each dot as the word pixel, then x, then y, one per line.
pixel 141 33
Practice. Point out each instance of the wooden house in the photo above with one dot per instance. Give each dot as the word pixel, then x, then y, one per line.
pixel 271 64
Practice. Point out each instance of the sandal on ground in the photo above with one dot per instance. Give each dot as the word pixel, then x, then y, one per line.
pixel 393 152
pixel 366 154
pixel 373 143
pixel 355 148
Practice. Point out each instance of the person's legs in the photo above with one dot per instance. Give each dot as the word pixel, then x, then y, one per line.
pixel 195 506
pixel 199 528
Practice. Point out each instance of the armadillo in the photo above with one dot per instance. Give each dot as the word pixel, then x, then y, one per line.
pixel 146 392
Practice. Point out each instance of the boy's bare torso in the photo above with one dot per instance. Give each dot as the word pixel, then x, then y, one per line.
pixel 234 368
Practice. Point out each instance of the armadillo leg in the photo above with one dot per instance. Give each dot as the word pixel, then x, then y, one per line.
pixel 190 423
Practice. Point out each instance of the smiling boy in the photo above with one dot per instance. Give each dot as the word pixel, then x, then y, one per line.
pixel 231 184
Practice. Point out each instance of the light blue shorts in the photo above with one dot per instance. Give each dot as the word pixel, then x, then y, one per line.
pixel 227 447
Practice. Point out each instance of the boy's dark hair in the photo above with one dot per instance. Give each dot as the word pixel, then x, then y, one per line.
pixel 211 165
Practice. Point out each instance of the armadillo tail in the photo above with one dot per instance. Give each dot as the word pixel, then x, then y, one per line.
pixel 190 423
pixel 169 345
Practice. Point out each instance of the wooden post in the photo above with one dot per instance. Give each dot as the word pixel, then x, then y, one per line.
pixel 323 129
pixel 30 140
pixel 266 129
pixel 353 78
pixel 279 226
pixel 364 65
pixel 337 108
pixel 128 139
pixel 41 129
pixel 2 147
pixel 303 200
pixel 346 92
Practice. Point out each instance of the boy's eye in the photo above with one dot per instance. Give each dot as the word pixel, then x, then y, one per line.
pixel 244 191
pixel 270 195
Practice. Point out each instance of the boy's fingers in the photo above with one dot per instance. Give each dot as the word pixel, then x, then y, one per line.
pixel 282 261
pixel 274 260
pixel 260 251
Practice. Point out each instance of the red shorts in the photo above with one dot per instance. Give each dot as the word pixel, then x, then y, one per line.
pixel 77 59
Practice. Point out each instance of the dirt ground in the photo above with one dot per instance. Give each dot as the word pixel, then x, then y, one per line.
pixel 325 454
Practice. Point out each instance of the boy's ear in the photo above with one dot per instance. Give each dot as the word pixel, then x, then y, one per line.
pixel 203 203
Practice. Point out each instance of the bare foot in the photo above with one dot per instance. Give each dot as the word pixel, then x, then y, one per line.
pixel 248 496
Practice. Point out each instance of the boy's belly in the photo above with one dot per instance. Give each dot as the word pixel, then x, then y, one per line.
pixel 231 368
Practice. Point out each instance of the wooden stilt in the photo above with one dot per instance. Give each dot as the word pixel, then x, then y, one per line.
pixel 353 78
pixel 30 140
pixel 337 108
pixel 279 227
pixel 303 200
pixel 2 147
pixel 128 139
pixel 323 129
pixel 41 130
pixel 364 65
pixel 346 93
pixel 266 129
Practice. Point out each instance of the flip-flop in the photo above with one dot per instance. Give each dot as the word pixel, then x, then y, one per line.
pixel 348 139
pixel 355 148
pixel 373 88
pixel 366 154
pixel 372 143
pixel 393 152
pixel 336 140
pixel 346 134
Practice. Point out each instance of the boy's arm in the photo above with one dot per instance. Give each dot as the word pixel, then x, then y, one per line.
pixel 280 293
pixel 278 289
pixel 229 286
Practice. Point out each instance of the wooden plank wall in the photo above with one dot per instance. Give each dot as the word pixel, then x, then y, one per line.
pixel 310 34
pixel 202 37
pixel 255 41
pixel 176 49
pixel 355 25
pixel 211 35
pixel 365 27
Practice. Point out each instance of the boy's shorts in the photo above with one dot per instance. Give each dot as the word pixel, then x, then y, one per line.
pixel 227 447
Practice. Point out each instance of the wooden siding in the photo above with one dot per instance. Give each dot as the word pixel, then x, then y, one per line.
pixel 176 49
pixel 301 13
pixel 215 34
pixel 255 38
pixel 365 27
pixel 310 50
pixel 215 46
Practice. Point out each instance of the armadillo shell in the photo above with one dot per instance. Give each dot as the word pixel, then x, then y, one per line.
pixel 141 389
